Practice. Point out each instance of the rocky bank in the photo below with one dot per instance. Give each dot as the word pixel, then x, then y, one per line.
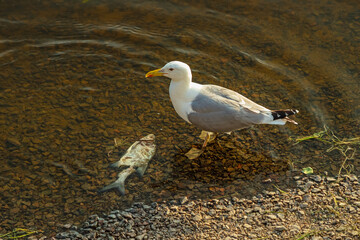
pixel 320 207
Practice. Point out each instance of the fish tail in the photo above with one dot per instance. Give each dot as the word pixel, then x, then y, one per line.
pixel 114 165
pixel 119 186
pixel 141 170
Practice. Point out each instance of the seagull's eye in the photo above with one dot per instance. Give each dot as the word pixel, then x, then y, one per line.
pixel 171 69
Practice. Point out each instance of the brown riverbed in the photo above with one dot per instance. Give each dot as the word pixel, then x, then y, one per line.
pixel 72 80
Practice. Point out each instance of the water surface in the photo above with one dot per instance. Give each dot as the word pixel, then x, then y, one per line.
pixel 72 80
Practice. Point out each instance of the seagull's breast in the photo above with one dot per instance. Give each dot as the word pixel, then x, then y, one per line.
pixel 182 96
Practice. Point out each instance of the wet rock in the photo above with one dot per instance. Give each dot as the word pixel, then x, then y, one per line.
pixel 183 200
pixel 257 209
pixel 315 190
pixel 247 226
pixel 197 217
pixel 271 216
pixel 13 141
pixel 306 198
pixel 304 205
pixel 295 228
pixel 316 238
pixel 316 178
pixel 330 179
pixel 308 185
pixel 140 237
pixel 126 215
pixel 279 228
pixel 353 177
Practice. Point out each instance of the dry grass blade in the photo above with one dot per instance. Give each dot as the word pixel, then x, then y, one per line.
pixel 18 233
pixel 347 146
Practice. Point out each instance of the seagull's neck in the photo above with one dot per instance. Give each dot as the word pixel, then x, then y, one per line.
pixel 178 88
pixel 182 93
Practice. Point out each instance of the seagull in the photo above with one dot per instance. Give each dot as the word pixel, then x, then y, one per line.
pixel 213 108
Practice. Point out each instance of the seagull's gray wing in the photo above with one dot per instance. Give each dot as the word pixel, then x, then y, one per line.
pixel 217 109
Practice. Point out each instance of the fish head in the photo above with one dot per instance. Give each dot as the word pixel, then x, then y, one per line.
pixel 150 137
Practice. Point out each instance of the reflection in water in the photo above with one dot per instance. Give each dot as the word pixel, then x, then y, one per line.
pixel 71 75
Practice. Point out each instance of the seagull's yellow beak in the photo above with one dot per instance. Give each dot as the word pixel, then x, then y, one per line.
pixel 154 73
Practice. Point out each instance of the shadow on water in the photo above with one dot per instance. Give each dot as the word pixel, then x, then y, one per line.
pixel 72 80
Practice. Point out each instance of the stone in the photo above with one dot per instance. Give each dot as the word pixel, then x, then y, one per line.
pixel 67 226
pixel 301 212
pixel 247 226
pixel 140 237
pixel 183 200
pixel 307 198
pixel 295 228
pixel 330 179
pixel 257 209
pixel 308 185
pixel 13 141
pixel 316 238
pixel 353 177
pixel 271 216
pixel 126 215
pixel 342 204
pixel 280 228
pixel 131 234
pixel 316 178
pixel 304 205
pixel 249 210
pixel 197 217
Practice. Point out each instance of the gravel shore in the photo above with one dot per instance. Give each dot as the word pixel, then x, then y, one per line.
pixel 319 207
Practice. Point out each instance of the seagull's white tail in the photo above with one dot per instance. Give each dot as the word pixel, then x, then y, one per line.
pixel 280 117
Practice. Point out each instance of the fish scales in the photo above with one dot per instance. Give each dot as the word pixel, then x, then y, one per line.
pixel 137 158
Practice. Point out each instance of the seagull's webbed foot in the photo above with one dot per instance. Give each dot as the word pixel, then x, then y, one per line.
pixel 209 137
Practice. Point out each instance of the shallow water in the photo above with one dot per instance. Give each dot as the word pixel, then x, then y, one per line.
pixel 72 80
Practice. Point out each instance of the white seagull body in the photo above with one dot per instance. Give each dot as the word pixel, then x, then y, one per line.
pixel 213 108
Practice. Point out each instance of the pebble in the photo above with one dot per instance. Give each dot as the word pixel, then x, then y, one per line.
pixel 183 200
pixel 197 217
pixel 315 190
pixel 353 177
pixel 271 216
pixel 308 185
pixel 13 141
pixel 330 179
pixel 280 228
pixel 316 238
pixel 316 178
pixel 295 228
pixel 257 209
pixel 247 225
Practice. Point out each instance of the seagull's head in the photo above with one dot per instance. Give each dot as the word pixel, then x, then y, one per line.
pixel 175 70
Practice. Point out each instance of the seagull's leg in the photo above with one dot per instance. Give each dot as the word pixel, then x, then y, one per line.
pixel 207 137
pixel 217 141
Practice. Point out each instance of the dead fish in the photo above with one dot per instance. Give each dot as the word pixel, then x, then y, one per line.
pixel 138 155
pixel 119 184
pixel 136 158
